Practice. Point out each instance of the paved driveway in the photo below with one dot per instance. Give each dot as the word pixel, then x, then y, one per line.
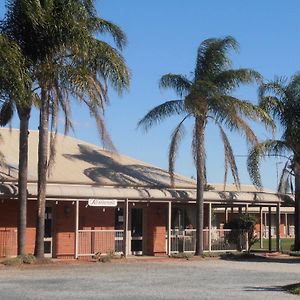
pixel 176 279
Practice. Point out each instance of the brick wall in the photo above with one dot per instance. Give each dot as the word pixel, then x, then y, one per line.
pixel 8 221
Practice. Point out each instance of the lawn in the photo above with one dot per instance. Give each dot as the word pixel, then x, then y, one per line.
pixel 293 288
pixel 285 244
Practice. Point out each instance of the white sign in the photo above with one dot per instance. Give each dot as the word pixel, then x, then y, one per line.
pixel 103 202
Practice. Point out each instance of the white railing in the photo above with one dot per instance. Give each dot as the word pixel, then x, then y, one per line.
pixel 266 231
pixel 8 242
pixel 103 241
pixel 221 239
pixel 291 231
pixel 185 240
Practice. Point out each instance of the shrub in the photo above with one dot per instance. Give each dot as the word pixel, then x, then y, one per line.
pixel 19 260
pixel 105 257
pixel 241 226
pixel 186 256
pixel 295 253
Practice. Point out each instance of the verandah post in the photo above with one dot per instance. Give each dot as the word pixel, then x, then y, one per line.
pixel 261 228
pixel 125 227
pixel 278 227
pixel 76 227
pixel 270 225
pixel 247 237
pixel 209 228
pixel 169 227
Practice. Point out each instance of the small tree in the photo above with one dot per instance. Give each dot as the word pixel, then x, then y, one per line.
pixel 242 226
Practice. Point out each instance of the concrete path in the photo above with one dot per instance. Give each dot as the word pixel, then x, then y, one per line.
pixel 175 279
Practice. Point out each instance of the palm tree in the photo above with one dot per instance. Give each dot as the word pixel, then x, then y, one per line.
pixel 15 92
pixel 66 60
pixel 281 99
pixel 208 97
pixel 77 65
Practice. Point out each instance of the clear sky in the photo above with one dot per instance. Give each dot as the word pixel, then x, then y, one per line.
pixel 163 36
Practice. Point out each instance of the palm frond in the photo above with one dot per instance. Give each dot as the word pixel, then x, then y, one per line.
pixel 285 184
pixel 246 109
pixel 104 26
pixel 161 112
pixel 268 147
pixel 179 83
pixel 234 122
pixel 212 57
pixel 229 80
pixel 176 137
pixel 271 105
pixel 253 166
pixel 229 159
pixel 277 87
pixel 6 113
pixel 104 135
pixel 110 64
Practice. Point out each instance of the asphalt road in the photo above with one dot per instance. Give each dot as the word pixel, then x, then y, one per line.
pixel 177 279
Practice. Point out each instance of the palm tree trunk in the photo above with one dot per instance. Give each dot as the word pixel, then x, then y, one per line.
pixel 24 115
pixel 42 174
pixel 200 127
pixel 297 203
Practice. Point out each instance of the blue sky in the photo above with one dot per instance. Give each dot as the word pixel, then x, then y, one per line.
pixel 163 36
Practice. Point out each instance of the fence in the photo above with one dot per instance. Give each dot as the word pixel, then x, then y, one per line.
pixel 266 232
pixel 8 243
pixel 219 240
pixel 103 241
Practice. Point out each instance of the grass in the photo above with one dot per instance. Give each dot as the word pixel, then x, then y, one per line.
pixel 295 253
pixel 186 256
pixel 19 260
pixel 293 288
pixel 26 259
pixel 285 244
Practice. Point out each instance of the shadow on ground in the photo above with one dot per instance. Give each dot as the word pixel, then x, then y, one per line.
pixel 260 258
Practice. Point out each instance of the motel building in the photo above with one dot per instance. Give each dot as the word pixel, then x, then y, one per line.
pixel 99 201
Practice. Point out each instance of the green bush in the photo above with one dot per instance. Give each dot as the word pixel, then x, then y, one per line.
pixel 186 256
pixel 293 288
pixel 295 253
pixel 28 259
pixel 241 226
pixel 19 260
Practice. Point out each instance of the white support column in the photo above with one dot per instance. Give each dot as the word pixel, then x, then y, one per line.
pixel 209 228
pixel 125 227
pixel 261 228
pixel 270 226
pixel 266 222
pixel 247 237
pixel 226 214
pixel 286 224
pixel 76 228
pixel 278 227
pixel 169 227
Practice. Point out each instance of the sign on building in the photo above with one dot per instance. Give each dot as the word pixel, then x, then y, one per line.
pixel 103 202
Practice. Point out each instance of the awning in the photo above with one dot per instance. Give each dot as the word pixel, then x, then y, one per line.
pixel 59 191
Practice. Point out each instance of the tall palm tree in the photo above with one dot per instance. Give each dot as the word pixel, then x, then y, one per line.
pixel 208 97
pixel 281 99
pixel 67 61
pixel 78 65
pixel 15 93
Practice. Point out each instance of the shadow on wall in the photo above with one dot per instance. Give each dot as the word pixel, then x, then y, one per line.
pixel 107 169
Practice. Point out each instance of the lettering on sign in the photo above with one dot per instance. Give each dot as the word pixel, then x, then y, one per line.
pixel 103 202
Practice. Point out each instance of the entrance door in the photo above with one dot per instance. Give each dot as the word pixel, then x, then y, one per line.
pixel 48 232
pixel 137 231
